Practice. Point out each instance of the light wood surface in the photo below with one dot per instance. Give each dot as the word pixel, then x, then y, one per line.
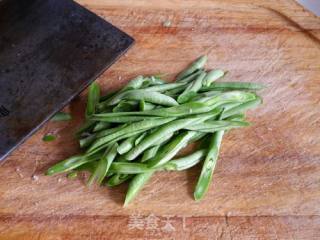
pixel 267 181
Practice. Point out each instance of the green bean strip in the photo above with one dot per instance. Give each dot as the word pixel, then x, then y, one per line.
pixel 177 111
pixel 190 78
pixel 101 126
pixel 117 179
pixel 136 185
pixel 150 153
pixel 119 138
pixel 103 165
pixel 208 166
pixel 61 116
pixel 134 127
pixel 144 106
pixel 85 142
pixel 125 106
pixel 197 64
pixel 220 125
pixel 185 162
pixel 168 151
pixel 123 119
pixel 161 133
pixel 89 167
pixel 212 76
pixel 192 89
pixel 164 87
pixel 242 107
pixel 86 127
pixel 227 86
pixel 127 144
pixel 139 139
pixel 71 163
pixel 93 99
pixel 109 131
pixel 128 168
pixel 148 96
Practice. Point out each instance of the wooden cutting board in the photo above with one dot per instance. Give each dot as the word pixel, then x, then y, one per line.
pixel 267 182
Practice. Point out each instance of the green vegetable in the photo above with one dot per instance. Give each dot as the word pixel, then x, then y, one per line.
pixel 101 126
pixel 134 127
pixel 161 133
pixel 61 116
pixel 186 162
pixel 93 99
pixel 192 89
pixel 127 144
pixel 144 106
pixel 48 138
pixel 128 168
pixel 230 86
pixel 72 175
pixel 104 164
pixel 133 132
pixel 136 185
pixel 212 76
pixel 208 166
pixel 197 64
pixel 168 151
pixel 72 163
pixel 148 96
pixel 117 179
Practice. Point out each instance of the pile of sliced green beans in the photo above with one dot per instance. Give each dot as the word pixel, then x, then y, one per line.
pixel 139 130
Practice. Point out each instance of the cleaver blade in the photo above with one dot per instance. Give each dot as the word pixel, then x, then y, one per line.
pixel 49 52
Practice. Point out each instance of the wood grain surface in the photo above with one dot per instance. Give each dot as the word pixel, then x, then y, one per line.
pixel 267 181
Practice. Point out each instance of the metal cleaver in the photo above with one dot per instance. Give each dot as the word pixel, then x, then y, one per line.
pixel 50 50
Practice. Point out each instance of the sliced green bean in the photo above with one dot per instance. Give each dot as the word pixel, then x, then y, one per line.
pixel 123 119
pixel 86 127
pixel 230 86
pixel 125 106
pixel 139 139
pixel 191 77
pixel 136 185
pixel 177 111
pixel 169 150
pixel 212 76
pixel 117 139
pixel 128 168
pixel 48 138
pixel 103 165
pixel 197 64
pixel 117 179
pixel 144 106
pixel 93 99
pixel 186 162
pixel 161 133
pixel 101 126
pixel 85 142
pixel 134 127
pixel 150 153
pixel 127 144
pixel 165 87
pixel 242 107
pixel 192 89
pixel 148 96
pixel 208 166
pixel 71 163
pixel 217 125
pixel 109 131
pixel 72 175
pixel 89 166
pixel 61 116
